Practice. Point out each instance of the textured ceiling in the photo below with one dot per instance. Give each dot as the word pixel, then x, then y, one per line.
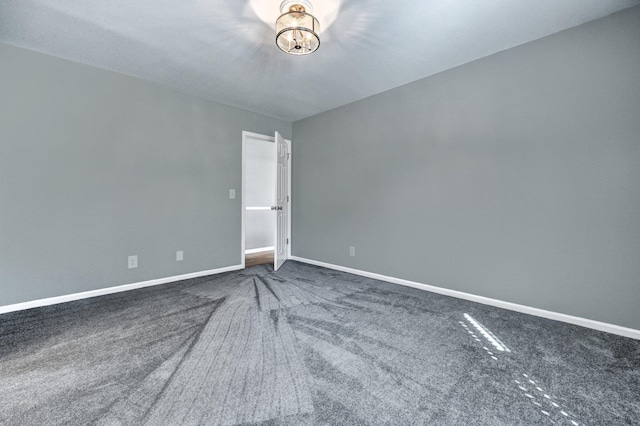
pixel 223 51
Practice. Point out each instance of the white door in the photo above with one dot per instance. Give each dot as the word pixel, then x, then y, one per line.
pixel 281 208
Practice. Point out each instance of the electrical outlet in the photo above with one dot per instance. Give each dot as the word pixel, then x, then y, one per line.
pixel 179 256
pixel 352 251
pixel 133 262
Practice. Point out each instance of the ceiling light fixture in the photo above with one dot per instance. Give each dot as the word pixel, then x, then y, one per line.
pixel 296 29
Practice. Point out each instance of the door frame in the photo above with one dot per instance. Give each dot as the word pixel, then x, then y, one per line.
pixel 266 138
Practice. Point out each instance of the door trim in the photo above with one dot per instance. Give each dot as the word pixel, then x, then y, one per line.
pixel 258 136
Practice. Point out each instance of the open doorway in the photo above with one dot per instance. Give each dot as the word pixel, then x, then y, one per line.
pixel 262 225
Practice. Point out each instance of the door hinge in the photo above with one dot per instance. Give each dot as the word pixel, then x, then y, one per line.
pixel 288 155
pixel 287 198
pixel 287 241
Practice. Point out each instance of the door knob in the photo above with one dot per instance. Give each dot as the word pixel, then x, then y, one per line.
pixel 276 207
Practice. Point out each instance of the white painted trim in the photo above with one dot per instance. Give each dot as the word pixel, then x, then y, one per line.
pixel 246 135
pixel 244 208
pixel 259 250
pixel 109 290
pixel 584 322
pixel 258 136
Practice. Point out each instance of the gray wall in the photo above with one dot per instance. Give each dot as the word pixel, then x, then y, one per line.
pixel 515 177
pixel 259 187
pixel 96 166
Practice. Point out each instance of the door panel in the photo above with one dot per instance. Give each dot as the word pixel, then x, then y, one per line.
pixel 281 210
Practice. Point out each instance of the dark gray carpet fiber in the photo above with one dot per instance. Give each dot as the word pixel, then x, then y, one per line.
pixel 306 346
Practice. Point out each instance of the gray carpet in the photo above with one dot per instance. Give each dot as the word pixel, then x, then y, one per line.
pixel 305 346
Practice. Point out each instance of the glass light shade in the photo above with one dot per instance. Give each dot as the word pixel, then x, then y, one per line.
pixel 297 32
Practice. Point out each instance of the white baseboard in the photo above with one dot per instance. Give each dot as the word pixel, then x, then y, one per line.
pixel 584 322
pixel 109 290
pixel 259 250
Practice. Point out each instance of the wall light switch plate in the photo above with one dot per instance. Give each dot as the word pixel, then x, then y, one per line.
pixel 133 262
pixel 232 194
pixel 352 251
pixel 179 256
